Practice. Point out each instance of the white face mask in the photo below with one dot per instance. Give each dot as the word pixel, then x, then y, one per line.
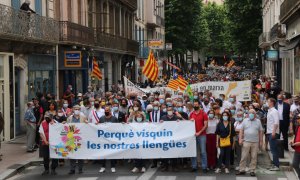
pixel 76 112
pixel 60 114
pixel 170 113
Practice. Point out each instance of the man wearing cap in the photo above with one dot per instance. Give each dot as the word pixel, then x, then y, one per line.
pixel 77 117
pixel 44 133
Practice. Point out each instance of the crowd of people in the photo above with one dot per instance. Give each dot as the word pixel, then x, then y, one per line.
pixel 229 134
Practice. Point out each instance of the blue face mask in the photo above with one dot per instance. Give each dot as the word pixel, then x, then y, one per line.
pixel 161 101
pixel 195 97
pixel 231 100
pixel 211 116
pixel 225 118
pixel 239 119
pixel 179 109
pixel 169 104
pixel 232 111
pixel 251 116
pixel 155 108
pixel 115 109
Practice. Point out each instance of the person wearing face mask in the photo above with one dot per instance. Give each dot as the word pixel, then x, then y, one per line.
pixel 123 106
pixel 251 139
pixel 173 162
pixel 89 93
pixel 44 133
pixel 86 110
pixel 233 102
pixel 96 114
pixel 237 127
pixel 156 114
pixel 180 111
pixel 161 99
pixel 200 118
pixel 206 105
pixel 211 139
pixel 196 96
pixel 117 113
pixel 149 110
pixel 68 95
pixel 108 118
pixel 284 119
pixel 136 110
pixel 139 164
pixel 77 117
pixel 65 109
pixel 30 121
pixel 163 110
pixel 225 133
pixel 169 102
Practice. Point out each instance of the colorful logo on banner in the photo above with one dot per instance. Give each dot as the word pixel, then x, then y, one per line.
pixel 70 141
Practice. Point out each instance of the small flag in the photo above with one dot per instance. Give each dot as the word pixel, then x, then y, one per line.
pixel 150 69
pixel 189 91
pixel 182 83
pixel 173 84
pixel 96 70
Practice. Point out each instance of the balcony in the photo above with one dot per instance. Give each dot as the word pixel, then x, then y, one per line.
pixel 19 25
pixel 264 40
pixel 75 34
pixel 130 3
pixel 288 8
pixel 115 43
pixel 160 21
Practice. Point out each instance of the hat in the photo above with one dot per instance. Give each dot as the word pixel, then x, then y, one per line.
pixel 79 95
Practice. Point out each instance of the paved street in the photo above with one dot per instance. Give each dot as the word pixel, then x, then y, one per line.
pixel 124 173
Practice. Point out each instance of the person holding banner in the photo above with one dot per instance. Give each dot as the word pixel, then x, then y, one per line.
pixel 136 110
pixel 200 118
pixel 225 133
pixel 139 164
pixel 77 117
pixel 95 114
pixel 213 121
pixel 44 134
pixel 117 113
pixel 173 162
pixel 108 118
pixel 124 106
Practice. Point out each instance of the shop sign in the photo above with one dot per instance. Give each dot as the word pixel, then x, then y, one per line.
pixel 156 44
pixel 272 55
pixel 73 59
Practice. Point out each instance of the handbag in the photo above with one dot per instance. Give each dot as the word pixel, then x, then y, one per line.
pixel 225 142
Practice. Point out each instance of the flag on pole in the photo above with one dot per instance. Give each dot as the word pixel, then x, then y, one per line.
pixel 182 83
pixel 189 91
pixel 150 69
pixel 173 84
pixel 96 70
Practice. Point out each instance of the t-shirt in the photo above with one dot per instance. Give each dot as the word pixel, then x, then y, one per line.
pixel 167 118
pixel 252 128
pixel 112 119
pixel 199 120
pixel 212 126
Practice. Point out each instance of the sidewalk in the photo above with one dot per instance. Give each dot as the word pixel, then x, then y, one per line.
pixel 15 157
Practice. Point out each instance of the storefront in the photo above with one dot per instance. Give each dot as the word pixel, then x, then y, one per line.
pixel 7 93
pixel 73 70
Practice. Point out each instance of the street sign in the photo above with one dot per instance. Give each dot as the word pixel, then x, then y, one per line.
pixel 169 46
pixel 272 55
pixel 156 44
pixel 73 59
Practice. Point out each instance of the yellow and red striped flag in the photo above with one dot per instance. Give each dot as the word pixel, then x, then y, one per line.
pixel 96 70
pixel 182 83
pixel 173 84
pixel 150 69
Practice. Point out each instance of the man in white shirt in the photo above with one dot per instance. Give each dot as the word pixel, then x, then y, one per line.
pixel 206 105
pixel 233 102
pixel 95 114
pixel 273 132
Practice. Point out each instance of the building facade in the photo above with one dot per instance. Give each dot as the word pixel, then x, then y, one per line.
pixel 149 25
pixel 103 29
pixel 27 59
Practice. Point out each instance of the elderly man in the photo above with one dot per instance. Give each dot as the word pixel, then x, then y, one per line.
pixel 77 117
pixel 233 102
pixel 161 99
pixel 156 114
pixel 251 134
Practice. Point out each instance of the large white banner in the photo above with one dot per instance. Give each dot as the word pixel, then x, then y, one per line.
pixel 242 89
pixel 130 88
pixel 123 141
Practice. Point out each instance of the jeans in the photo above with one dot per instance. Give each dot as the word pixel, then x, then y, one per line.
pixel 273 148
pixel 296 163
pixel 139 163
pixel 30 134
pixel 201 140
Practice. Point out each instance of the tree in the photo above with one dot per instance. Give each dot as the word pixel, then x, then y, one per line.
pixel 245 23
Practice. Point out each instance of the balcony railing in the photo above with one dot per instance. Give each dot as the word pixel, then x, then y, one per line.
pixel 264 39
pixel 23 26
pixel 160 21
pixel 130 3
pixel 109 41
pixel 75 33
pixel 287 8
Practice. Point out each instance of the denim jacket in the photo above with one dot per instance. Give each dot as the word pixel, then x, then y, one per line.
pixel 29 116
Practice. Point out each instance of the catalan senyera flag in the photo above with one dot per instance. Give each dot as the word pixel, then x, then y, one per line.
pixel 173 84
pixel 182 83
pixel 96 70
pixel 150 69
